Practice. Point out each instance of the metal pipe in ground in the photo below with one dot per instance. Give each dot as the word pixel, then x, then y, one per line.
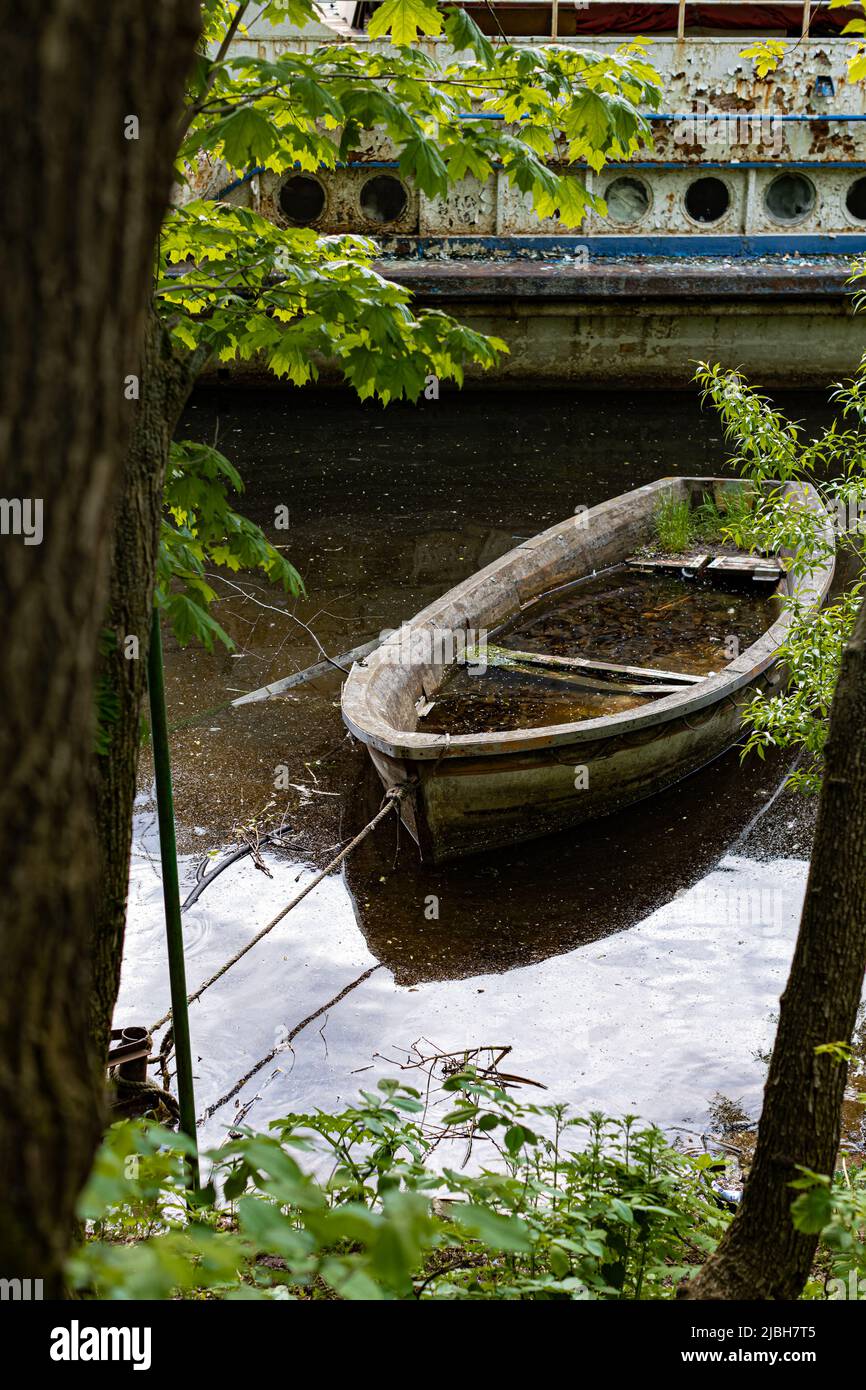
pixel 171 890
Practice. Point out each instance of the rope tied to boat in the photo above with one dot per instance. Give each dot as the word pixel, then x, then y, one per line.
pixel 390 801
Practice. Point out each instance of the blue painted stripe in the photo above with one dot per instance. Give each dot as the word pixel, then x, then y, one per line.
pixel 245 178
pixel 707 116
pixel 554 247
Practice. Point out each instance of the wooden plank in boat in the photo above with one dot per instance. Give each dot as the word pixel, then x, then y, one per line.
pixel 756 565
pixel 573 671
pixel 694 563
pixel 597 684
pixel 581 663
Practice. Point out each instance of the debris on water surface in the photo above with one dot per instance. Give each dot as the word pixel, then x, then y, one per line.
pixel 622 616
pixel 506 699
pixel 639 619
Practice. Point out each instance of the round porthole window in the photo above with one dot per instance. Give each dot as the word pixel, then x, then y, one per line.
pixel 302 199
pixel 790 198
pixel 627 200
pixel 383 199
pixel 707 200
pixel 855 200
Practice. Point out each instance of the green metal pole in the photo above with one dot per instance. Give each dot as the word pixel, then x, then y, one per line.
pixel 171 889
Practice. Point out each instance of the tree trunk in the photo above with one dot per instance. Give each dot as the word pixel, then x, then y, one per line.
pixel 166 382
pixel 762 1256
pixel 78 230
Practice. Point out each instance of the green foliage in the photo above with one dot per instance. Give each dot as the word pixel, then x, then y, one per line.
pixel 568 1208
pixel 673 524
pixel 839 1051
pixel 767 53
pixel 729 519
pixel 768 449
pixel 308 110
pixel 231 285
pixel 680 526
pixel 797 718
pixel 836 1211
pixel 857 60
pixel 234 285
pixel 400 20
pixel 200 527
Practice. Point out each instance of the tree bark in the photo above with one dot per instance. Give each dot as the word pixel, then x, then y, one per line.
pixel 78 227
pixel 762 1255
pixel 166 382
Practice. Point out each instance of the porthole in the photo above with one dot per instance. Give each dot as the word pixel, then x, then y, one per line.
pixel 855 200
pixel 383 199
pixel 790 198
pixel 627 199
pixel 302 199
pixel 707 199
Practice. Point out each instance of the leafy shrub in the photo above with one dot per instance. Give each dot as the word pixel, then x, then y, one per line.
pixel 680 526
pixel 569 1208
pixel 837 1211
pixel 768 449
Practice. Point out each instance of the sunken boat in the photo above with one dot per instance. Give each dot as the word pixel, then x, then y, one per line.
pixel 578 673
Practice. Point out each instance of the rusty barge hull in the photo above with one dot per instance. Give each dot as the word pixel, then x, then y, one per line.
pixel 639 321
pixel 642 316
pixel 485 790
pixel 765 176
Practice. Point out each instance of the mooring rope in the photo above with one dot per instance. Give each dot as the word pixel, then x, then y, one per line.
pixel 391 799
pixel 281 1047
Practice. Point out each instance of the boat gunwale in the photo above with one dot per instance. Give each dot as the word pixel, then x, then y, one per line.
pixel 413 746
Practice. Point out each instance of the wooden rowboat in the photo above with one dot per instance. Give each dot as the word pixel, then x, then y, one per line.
pixel 488 787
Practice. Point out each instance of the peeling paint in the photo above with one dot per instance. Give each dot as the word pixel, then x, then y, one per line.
pixel 571 311
pixel 729 119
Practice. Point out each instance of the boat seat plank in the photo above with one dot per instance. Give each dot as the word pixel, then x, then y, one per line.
pixel 759 567
pixel 669 562
pixel 747 564
pixel 581 664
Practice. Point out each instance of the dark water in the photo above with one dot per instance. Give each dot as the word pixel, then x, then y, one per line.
pixel 387 510
pixel 504 699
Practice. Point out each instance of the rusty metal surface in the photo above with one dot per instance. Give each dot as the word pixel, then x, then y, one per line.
pixel 636 318
pixel 748 129
pixel 655 278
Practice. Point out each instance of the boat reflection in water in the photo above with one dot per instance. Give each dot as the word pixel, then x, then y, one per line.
pixel 506 909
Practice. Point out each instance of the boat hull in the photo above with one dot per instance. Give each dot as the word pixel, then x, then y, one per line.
pixel 468 793
pixel 464 806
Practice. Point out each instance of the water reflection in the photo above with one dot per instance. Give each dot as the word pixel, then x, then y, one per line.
pixel 506 909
